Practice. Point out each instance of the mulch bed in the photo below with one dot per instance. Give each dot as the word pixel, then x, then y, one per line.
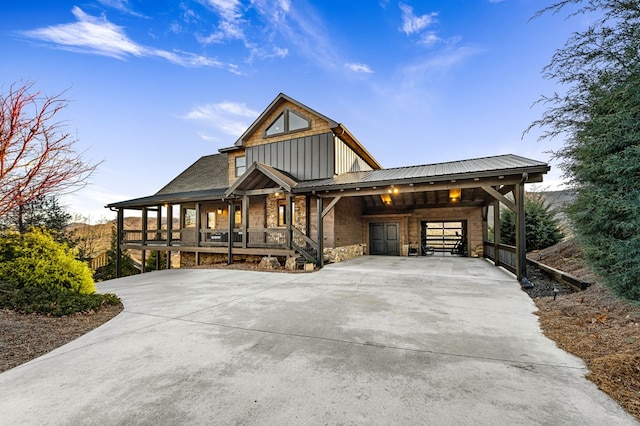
pixel 25 337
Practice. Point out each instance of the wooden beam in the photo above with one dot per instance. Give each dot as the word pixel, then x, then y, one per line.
pixel 288 218
pixel 144 239
pixel 169 232
pixel 496 232
pixel 320 260
pixel 230 239
pixel 521 233
pixel 245 220
pixel 498 196
pixel 119 242
pixel 331 205
pixel 421 187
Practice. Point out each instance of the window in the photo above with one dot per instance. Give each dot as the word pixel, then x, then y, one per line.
pixel 241 165
pixel 282 217
pixel 238 215
pixel 211 220
pixel 189 218
pixel 288 121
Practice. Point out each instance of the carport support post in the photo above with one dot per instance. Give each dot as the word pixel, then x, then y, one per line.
pixel 496 232
pixel 521 233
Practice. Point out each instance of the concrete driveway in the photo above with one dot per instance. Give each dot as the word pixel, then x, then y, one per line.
pixel 376 340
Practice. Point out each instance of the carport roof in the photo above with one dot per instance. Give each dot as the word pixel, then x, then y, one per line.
pixel 468 169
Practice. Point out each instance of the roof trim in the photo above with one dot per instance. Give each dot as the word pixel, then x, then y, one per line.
pixel 279 100
pixel 175 198
pixel 347 137
pixel 286 182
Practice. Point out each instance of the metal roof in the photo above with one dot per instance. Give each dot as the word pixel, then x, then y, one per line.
pixel 467 169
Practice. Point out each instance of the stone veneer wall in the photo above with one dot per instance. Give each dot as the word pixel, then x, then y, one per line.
pixel 188 259
pixel 340 254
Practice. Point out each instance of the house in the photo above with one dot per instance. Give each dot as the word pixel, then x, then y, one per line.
pixel 299 185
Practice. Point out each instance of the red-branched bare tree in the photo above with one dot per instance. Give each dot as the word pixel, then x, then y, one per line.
pixel 37 156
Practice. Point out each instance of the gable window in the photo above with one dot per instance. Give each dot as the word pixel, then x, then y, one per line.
pixel 287 122
pixel 241 165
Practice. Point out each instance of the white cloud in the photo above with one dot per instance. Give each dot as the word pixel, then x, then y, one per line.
pixel 359 68
pixel 97 35
pixel 429 39
pixel 412 24
pixel 229 118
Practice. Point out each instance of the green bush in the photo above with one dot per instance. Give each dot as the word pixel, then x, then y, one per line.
pixel 35 259
pixel 541 225
pixel 51 301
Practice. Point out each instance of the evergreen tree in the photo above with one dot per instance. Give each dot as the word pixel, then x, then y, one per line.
pixel 600 115
pixel 43 212
pixel 542 227
pixel 151 264
pixel 108 271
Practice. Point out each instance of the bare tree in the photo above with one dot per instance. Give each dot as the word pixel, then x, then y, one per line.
pixel 37 156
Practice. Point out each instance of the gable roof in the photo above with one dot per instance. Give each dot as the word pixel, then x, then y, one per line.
pixel 208 172
pixel 266 114
pixel 259 176
pixel 467 169
pixel 338 129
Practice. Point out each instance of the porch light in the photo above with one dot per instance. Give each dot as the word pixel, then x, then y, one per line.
pixel 386 199
pixel 219 210
pixel 454 194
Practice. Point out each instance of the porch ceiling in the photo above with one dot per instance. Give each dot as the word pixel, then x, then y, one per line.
pixel 427 199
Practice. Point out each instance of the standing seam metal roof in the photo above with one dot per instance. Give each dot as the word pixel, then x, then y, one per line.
pixel 485 165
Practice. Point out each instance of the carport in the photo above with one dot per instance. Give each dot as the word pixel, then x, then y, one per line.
pixel 399 200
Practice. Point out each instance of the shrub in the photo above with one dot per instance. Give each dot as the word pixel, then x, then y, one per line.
pixel 51 301
pixel 541 225
pixel 35 259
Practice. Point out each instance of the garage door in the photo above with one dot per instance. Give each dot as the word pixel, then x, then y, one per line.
pixel 443 236
pixel 384 239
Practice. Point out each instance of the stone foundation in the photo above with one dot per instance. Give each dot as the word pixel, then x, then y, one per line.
pixel 340 254
pixel 188 259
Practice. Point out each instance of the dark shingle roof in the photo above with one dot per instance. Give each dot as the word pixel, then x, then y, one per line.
pixel 209 172
pixel 477 167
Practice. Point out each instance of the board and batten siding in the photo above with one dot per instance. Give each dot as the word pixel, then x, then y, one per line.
pixel 306 158
pixel 347 160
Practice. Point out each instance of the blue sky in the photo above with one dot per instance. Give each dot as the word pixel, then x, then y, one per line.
pixel 156 84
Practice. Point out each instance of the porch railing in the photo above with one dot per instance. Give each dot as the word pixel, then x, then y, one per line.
pixel 506 255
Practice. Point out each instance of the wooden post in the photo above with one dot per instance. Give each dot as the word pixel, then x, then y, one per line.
pixel 288 217
pixel 230 239
pixel 496 232
pixel 144 239
pixel 521 233
pixel 119 237
pixel 245 220
pixel 169 232
pixel 158 229
pixel 198 233
pixel 320 260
